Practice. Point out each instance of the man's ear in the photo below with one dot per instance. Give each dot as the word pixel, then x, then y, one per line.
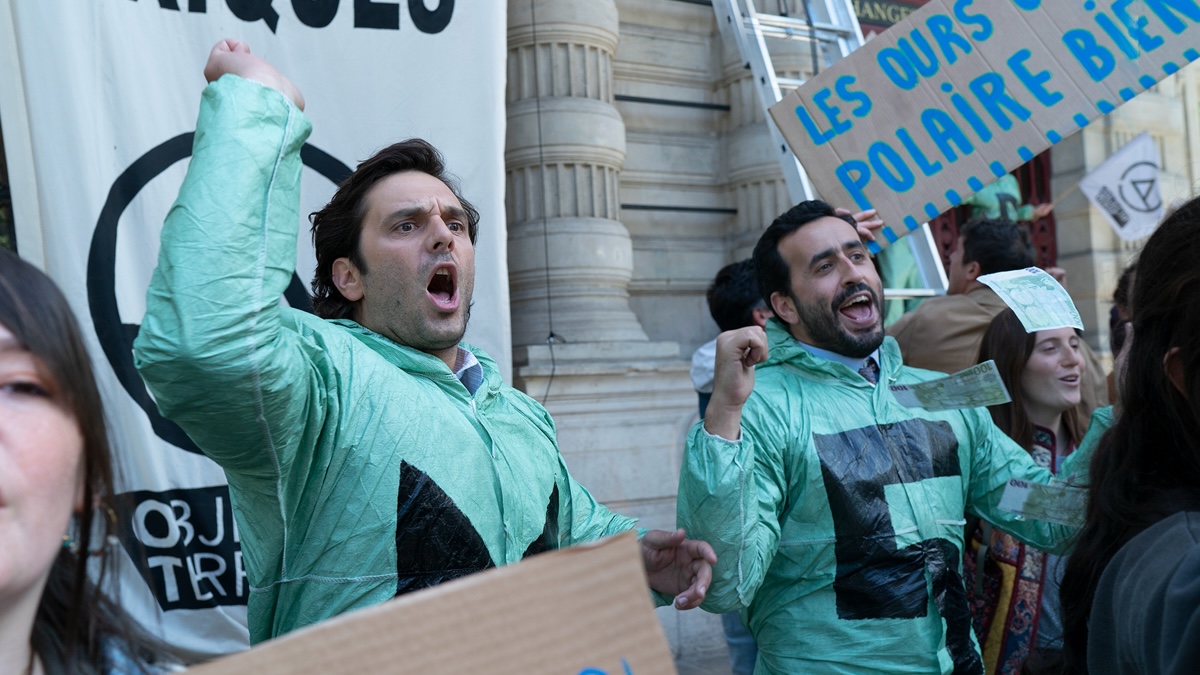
pixel 1173 365
pixel 347 279
pixel 784 308
pixel 972 270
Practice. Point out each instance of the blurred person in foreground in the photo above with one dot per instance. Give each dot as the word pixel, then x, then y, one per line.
pixel 56 477
pixel 1131 592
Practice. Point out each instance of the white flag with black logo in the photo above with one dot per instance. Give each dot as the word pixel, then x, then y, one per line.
pixel 99 103
pixel 1125 188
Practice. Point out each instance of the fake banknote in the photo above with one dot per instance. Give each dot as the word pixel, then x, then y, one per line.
pixel 1041 303
pixel 974 387
pixel 1050 502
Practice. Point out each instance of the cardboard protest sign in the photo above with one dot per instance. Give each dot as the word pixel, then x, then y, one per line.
pixel 1125 187
pixel 577 611
pixel 963 91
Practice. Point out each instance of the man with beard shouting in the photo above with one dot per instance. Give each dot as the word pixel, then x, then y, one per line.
pixel 369 451
pixel 836 513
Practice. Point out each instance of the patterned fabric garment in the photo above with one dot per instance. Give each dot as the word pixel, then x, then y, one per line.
pixel 1006 600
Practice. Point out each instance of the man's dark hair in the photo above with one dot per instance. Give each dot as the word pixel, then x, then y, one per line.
pixel 771 269
pixel 1118 316
pixel 998 245
pixel 733 296
pixel 337 228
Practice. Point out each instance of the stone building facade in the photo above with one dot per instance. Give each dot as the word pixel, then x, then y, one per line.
pixel 638 163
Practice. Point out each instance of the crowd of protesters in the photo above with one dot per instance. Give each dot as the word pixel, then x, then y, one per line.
pixel 842 531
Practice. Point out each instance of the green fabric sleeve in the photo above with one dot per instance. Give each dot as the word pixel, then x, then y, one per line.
pixel 1075 468
pixel 997 460
pixel 731 494
pixel 210 347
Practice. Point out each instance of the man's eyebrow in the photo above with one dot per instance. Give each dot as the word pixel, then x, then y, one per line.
pixel 454 212
pixel 831 251
pixel 406 212
pixel 822 255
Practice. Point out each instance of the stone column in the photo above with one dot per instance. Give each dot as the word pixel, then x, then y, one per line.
pixel 621 403
pixel 570 258
pixel 755 177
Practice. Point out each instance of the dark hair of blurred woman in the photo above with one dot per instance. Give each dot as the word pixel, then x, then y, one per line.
pixel 1147 466
pixel 55 479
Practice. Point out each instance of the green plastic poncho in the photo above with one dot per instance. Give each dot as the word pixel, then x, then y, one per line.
pixel 1001 199
pixel 358 468
pixel 838 516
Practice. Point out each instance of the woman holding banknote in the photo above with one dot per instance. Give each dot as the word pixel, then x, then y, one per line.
pixel 1012 587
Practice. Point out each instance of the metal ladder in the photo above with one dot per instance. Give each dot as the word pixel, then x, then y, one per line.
pixel 831 28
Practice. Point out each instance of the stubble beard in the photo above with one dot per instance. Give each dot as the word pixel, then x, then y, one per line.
pixel 431 339
pixel 826 331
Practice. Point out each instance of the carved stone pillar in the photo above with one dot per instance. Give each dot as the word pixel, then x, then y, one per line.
pixel 755 177
pixel 621 403
pixel 570 259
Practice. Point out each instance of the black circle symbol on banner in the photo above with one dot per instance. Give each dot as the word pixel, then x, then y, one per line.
pixel 116 338
pixel 1139 187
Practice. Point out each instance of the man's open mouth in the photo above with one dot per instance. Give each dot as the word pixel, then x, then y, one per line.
pixel 443 286
pixel 859 308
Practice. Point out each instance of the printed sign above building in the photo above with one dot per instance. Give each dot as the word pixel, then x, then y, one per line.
pixel 963 91
pixel 876 16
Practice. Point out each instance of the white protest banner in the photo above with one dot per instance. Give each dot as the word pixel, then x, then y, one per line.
pixel 1125 188
pixel 99 101
pixel 963 91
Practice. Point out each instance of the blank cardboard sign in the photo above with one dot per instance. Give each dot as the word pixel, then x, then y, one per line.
pixel 963 91
pixel 578 611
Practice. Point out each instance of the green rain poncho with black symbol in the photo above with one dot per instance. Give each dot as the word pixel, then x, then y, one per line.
pixel 358 468
pixel 838 517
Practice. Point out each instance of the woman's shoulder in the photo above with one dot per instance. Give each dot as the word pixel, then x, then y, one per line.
pixel 1151 582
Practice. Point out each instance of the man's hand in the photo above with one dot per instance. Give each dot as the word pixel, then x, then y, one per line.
pixel 738 351
pixel 1042 210
pixel 678 566
pixel 233 57
pixel 868 222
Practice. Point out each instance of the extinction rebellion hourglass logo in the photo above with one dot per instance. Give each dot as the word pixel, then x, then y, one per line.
pixel 183 541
